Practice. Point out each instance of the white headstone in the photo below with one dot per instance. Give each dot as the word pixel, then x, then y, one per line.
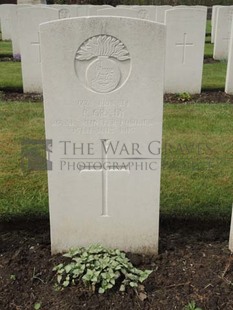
pixel 222 32
pixel 203 7
pixel 83 10
pixel 66 11
pixel 103 100
pixel 15 30
pixel 92 9
pixel 147 12
pixel 160 12
pixel 184 50
pixel 229 75
pixel 231 233
pixel 34 2
pixel 118 12
pixel 29 20
pixel 213 21
pixel 6 21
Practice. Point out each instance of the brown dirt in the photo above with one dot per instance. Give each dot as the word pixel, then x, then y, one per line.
pixel 19 96
pixel 210 60
pixel 204 97
pixel 6 58
pixel 194 264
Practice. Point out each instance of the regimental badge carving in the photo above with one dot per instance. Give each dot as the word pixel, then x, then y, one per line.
pixel 64 13
pixel 143 14
pixel 102 63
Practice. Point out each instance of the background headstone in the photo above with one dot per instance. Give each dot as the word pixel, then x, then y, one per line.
pixel 92 9
pixel 229 75
pixel 184 50
pixel 34 2
pixel 103 85
pixel 118 12
pixel 147 12
pixel 66 11
pixel 15 30
pixel 160 12
pixel 6 21
pixel 29 20
pixel 213 21
pixel 222 32
pixel 83 10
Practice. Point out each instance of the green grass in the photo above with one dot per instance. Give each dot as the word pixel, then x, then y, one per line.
pixel 197 161
pixel 214 76
pixel 196 183
pixel 10 76
pixel 5 48
pixel 209 47
pixel 21 193
pixel 208 27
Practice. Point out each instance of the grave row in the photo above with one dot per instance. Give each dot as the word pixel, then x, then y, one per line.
pixel 103 83
pixel 185 39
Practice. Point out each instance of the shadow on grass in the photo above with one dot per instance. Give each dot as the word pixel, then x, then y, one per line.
pixel 8 89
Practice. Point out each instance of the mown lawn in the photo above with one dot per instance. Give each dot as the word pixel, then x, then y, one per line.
pixel 197 165
pixel 214 76
pixel 5 48
pixel 21 192
pixel 10 76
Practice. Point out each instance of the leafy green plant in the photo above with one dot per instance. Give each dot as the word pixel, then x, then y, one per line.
pixel 184 97
pixel 100 268
pixel 37 306
pixel 13 277
pixel 191 306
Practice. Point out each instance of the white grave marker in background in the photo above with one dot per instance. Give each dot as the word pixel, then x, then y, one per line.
pixel 118 12
pixel 92 9
pixel 184 50
pixel 147 12
pixel 229 75
pixel 6 21
pixel 103 100
pixel 222 32
pixel 213 21
pixel 15 32
pixel 29 20
pixel 160 12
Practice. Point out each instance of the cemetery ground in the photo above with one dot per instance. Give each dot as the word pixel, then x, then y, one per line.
pixel 194 262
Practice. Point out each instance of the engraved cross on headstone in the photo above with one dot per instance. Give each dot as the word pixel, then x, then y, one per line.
pixel 37 45
pixel 105 182
pixel 184 44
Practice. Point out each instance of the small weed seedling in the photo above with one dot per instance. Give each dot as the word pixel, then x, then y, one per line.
pixel 100 268
pixel 184 97
pixel 37 306
pixel 191 306
pixel 13 277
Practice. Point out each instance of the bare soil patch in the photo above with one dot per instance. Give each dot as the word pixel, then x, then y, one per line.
pixel 194 263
